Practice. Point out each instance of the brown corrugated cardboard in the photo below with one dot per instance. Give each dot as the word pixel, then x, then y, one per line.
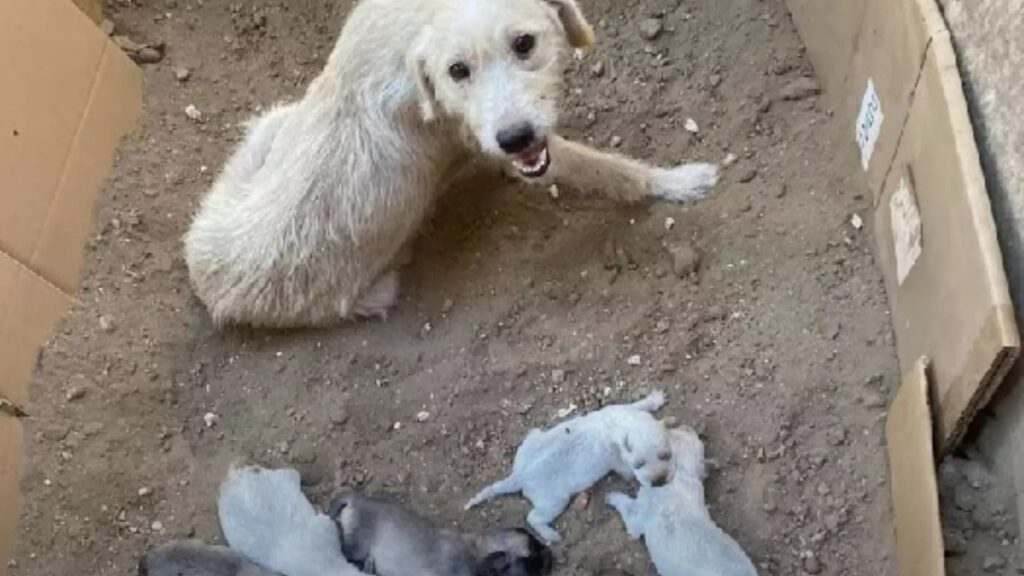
pixel 938 252
pixel 915 492
pixel 63 107
pixel 829 30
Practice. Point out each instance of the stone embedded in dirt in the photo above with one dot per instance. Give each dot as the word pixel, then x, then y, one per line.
pixel 685 259
pixel 76 392
pixel 557 376
pixel 729 160
pixel 447 306
pixel 873 400
pixel 615 141
pixel 836 435
pixel 748 175
pixel 193 113
pixel 107 27
pixel 662 326
pixel 107 324
pixel 811 564
pixel 581 502
pixel 650 28
pixel 691 126
pixel 145 491
pixel 422 416
pixel 210 419
pixel 597 69
pixel 779 191
pixel 140 53
pixel 633 360
pixel 670 223
pixel 182 74
pixel 714 80
pixel 800 89
pixel 963 497
pixel 993 563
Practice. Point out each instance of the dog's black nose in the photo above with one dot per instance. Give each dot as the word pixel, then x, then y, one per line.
pixel 516 138
pixel 659 481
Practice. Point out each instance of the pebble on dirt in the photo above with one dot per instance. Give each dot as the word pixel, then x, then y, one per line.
pixel 182 74
pixel 193 113
pixel 800 89
pixel 107 324
pixel 650 28
pixel 691 126
pixel 210 419
pixel 685 259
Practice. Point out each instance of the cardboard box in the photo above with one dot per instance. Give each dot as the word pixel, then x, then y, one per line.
pixel 66 100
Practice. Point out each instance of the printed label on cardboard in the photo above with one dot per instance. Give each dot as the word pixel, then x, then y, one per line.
pixel 906 229
pixel 869 124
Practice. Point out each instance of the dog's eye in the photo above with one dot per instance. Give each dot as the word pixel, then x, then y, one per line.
pixel 523 44
pixel 639 464
pixel 458 71
pixel 665 456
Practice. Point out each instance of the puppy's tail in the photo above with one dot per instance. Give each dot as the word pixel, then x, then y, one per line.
pixel 652 403
pixel 508 485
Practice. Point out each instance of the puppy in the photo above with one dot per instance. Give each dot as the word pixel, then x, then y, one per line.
pixel 194 558
pixel 674 522
pixel 552 465
pixel 265 517
pixel 309 218
pixel 386 539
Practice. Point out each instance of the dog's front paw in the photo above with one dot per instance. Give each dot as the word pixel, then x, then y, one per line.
pixel 656 399
pixel 618 500
pixel 686 182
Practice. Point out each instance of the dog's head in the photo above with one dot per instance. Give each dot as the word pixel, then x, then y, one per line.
pixel 496 68
pixel 688 452
pixel 514 552
pixel 647 449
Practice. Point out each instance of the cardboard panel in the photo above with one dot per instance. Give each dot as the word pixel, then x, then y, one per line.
pixel 830 30
pixel 113 108
pixel 915 492
pixel 938 252
pixel 43 101
pixel 892 44
pixel 29 306
pixel 10 477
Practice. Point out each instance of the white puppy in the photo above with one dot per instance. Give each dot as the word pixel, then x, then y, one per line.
pixel 265 516
pixel 674 522
pixel 552 465
pixel 310 217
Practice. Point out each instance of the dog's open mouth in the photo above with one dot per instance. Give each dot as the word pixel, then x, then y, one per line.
pixel 534 161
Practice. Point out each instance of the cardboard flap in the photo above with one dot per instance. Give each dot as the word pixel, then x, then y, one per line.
pixel 938 252
pixel 10 477
pixel 915 492
pixel 61 114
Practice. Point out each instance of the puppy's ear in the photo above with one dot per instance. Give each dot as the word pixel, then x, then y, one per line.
pixel 577 29
pixel 494 564
pixel 417 65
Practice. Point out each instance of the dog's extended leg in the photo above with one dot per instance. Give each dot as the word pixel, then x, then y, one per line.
pixel 652 403
pixel 587 169
pixel 504 486
pixel 626 507
pixel 544 512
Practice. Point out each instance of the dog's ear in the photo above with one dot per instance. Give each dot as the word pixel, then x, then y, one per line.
pixel 577 29
pixel 494 564
pixel 416 62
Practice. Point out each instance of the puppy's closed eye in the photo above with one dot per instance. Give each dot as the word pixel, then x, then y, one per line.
pixel 664 456
pixel 640 464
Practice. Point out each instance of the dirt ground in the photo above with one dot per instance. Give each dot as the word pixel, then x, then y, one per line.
pixel 519 305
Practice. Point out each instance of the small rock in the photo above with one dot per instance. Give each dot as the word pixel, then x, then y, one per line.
pixel 553 191
pixel 691 126
pixel 729 160
pixel 145 491
pixel 557 376
pixel 800 89
pixel 597 69
pixel 779 191
pixel 670 222
pixel 74 393
pixel 714 80
pixel 662 326
pixel 448 305
pixel 650 28
pixel 811 564
pixel 107 27
pixel 182 74
pixel 836 435
pixel 581 502
pixel 616 141
pixel 633 360
pixel 107 324
pixel 856 221
pixel 993 563
pixel 422 416
pixel 685 259
pixel 157 526
pixel 210 419
pixel 193 113
pixel 963 497
pixel 873 400
pixel 748 175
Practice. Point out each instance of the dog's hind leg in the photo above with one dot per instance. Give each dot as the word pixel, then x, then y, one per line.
pixel 651 403
pixel 590 170
pixel 545 510
pixel 508 485
pixel 379 298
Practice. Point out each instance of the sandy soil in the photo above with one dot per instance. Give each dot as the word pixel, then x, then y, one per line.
pixel 777 347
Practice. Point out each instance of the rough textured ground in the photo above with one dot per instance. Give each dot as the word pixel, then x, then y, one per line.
pixel 518 305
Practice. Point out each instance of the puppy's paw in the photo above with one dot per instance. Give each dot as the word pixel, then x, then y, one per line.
pixel 685 182
pixel 655 400
pixel 618 500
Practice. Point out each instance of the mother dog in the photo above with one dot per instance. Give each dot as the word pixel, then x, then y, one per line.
pixel 309 219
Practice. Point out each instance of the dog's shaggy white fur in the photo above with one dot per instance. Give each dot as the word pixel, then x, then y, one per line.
pixel 674 522
pixel 265 516
pixel 552 465
pixel 307 222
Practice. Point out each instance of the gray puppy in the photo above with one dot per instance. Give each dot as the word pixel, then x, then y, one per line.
pixel 385 539
pixel 195 558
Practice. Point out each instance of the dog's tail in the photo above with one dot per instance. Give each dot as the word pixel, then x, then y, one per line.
pixel 652 403
pixel 508 485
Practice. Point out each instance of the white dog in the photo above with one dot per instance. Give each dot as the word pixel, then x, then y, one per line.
pixel 265 517
pixel 308 221
pixel 552 465
pixel 674 522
